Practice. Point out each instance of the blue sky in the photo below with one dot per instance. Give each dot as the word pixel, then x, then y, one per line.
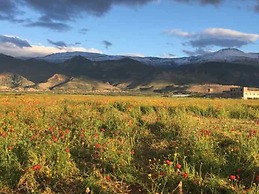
pixel 161 28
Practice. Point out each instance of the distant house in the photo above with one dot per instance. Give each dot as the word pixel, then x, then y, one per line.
pixel 242 92
pixel 210 90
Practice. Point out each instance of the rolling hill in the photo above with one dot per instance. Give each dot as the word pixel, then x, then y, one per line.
pixel 13 81
pixel 96 72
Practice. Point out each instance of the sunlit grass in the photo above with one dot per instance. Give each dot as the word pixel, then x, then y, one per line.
pixel 72 143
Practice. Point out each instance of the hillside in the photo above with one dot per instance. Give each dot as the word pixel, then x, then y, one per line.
pixel 10 81
pixel 82 84
pixel 109 73
pixel 55 81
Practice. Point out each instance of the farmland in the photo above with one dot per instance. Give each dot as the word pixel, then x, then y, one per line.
pixel 108 144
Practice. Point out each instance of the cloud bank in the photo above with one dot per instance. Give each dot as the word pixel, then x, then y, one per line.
pixel 58 44
pixel 12 41
pixel 55 13
pixel 46 22
pixel 17 47
pixel 211 37
pixel 203 2
pixel 7 9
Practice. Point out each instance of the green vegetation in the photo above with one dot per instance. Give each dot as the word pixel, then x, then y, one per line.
pixel 71 143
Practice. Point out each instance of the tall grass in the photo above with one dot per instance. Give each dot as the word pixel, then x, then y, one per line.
pixel 72 144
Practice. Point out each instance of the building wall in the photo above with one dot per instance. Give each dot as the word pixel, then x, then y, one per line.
pixel 250 93
pixel 242 92
pixel 236 92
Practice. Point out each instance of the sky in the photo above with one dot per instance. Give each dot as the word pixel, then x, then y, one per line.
pixel 158 28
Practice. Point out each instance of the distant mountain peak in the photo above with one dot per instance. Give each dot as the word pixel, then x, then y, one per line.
pixel 61 57
pixel 231 51
pixel 78 58
pixel 227 54
pixel 230 55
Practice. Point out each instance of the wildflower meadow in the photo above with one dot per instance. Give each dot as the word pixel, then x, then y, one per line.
pixel 52 143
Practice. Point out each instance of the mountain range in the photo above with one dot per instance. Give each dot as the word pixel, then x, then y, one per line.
pixel 82 72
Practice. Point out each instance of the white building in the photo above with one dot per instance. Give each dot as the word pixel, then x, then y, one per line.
pixel 242 92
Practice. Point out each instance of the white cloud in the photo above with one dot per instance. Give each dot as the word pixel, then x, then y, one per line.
pixel 134 55
pixel 215 37
pixel 177 32
pixel 168 55
pixel 228 33
pixel 39 50
pixel 93 50
pixel 214 32
pixel 14 41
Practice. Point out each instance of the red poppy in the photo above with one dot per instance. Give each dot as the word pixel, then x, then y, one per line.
pixel 185 175
pixel 108 178
pixel 36 167
pixel 132 152
pixel 178 166
pixel 232 177
pixel 205 132
pixel 96 135
pixel 162 173
pixel 4 134
pixel 168 162
pixel 55 139
pixel 252 133
pixel 11 130
pixel 67 150
pixel 82 135
pixel 97 146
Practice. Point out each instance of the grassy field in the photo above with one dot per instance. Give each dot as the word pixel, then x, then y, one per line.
pixel 73 144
